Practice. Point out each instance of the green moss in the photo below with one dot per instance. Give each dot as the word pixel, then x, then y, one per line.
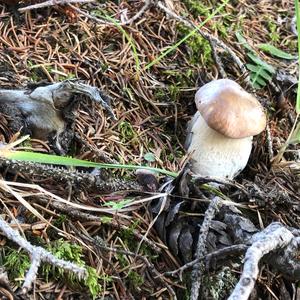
pixel 221 284
pixel 160 95
pixel 27 144
pixel 122 260
pixel 291 44
pixel 135 279
pixel 200 50
pixel 178 154
pixel 132 242
pixel 197 8
pixel 273 34
pixel 128 237
pixel 177 79
pixel 174 92
pixel 92 281
pixel 60 220
pixel 16 263
pixel 127 133
pixel 71 252
pixel 203 9
pixel 106 220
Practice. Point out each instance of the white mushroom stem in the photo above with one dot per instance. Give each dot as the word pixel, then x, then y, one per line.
pixel 213 154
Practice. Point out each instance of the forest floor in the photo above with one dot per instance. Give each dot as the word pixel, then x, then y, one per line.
pixel 150 69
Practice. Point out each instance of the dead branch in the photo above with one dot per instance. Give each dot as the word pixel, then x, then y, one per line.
pixel 286 261
pixel 269 140
pixel 221 253
pixel 38 255
pixel 40 110
pixel 217 58
pixel 88 180
pixel 52 3
pixel 145 7
pixel 274 237
pixel 201 246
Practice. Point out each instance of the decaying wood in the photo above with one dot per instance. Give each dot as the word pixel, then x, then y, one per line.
pixel 40 111
pixel 273 238
pixel 90 181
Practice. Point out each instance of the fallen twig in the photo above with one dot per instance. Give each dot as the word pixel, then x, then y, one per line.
pixel 269 140
pixel 274 237
pixel 38 255
pixel 217 58
pixel 88 180
pixel 145 7
pixel 5 288
pixel 201 246
pixel 83 216
pixel 221 253
pixel 52 3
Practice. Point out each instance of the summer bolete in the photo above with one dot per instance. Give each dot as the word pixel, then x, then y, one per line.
pixel 220 134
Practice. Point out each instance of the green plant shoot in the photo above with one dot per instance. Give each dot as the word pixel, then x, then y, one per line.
pixel 43 158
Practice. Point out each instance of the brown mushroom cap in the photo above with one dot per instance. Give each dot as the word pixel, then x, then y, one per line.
pixel 229 109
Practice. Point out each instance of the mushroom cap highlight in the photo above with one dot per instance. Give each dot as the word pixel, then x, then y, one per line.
pixel 229 109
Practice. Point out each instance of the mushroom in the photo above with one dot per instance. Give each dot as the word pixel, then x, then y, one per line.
pixel 220 134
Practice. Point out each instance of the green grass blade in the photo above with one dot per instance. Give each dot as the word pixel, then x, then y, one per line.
pixel 70 161
pixel 275 51
pixel 155 61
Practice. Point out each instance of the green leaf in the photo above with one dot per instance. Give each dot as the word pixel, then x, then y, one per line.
pixel 260 81
pixel 70 161
pixel 118 205
pixel 243 41
pixel 252 68
pixel 256 85
pixel 275 51
pixel 254 81
pixel 262 63
pixel 265 75
pixel 106 220
pixel 256 78
pixel 259 69
pixel 150 157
